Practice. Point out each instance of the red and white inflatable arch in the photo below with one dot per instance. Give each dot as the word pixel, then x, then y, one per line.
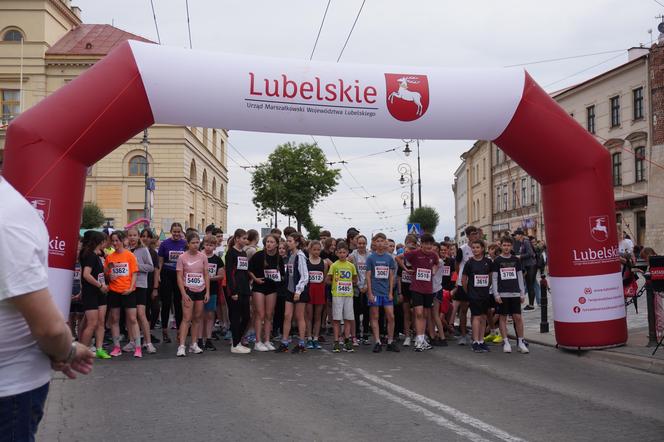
pixel 50 146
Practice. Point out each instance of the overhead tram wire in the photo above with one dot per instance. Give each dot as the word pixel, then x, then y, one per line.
pixel 571 57
pixel 186 2
pixel 320 29
pixel 154 16
pixel 583 70
pixel 351 30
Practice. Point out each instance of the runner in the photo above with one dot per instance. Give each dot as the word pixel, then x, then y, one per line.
pixel 405 276
pixel 380 270
pixel 425 264
pixel 509 293
pixel 216 275
pixel 237 289
pixel 145 266
pixel 360 306
pixel 476 282
pixel 298 293
pixel 436 330
pixel 266 270
pixel 317 268
pixel 76 311
pixel 342 275
pixel 169 251
pixel 194 284
pixel 152 309
pixel 460 297
pixel 121 268
pixel 93 291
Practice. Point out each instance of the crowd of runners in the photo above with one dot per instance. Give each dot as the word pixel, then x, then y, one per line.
pixel 288 294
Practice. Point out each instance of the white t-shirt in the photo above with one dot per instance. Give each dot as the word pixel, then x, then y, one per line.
pixel 626 246
pixel 23 269
pixel 467 254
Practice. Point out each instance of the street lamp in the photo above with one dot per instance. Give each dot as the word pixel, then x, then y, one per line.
pixel 407 177
pixel 407 151
pixel 146 208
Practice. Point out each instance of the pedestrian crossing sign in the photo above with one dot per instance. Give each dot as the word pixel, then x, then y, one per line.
pixel 415 229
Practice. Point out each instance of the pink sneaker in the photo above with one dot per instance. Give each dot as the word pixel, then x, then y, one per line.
pixel 138 352
pixel 117 351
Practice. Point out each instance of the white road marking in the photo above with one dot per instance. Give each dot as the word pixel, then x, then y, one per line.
pixel 437 419
pixel 451 411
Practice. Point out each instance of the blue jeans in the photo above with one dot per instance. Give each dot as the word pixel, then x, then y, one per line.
pixel 20 415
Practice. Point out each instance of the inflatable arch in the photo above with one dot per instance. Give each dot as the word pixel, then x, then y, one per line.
pixel 49 146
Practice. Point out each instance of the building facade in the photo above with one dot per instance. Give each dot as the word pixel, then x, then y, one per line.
pixel 460 190
pixel 43 46
pixel 476 168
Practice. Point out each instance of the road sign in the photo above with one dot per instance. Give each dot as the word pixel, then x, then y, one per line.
pixel 415 229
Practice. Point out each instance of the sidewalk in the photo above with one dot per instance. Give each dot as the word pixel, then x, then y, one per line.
pixel 634 354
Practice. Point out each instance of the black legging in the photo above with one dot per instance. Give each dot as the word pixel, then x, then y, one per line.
pixel 361 307
pixel 238 313
pixel 531 273
pixel 169 293
pixel 279 311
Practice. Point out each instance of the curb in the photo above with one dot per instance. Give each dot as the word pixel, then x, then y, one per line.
pixel 637 362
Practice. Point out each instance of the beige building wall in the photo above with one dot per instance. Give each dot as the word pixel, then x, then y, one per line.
pixel 478 172
pixel 188 163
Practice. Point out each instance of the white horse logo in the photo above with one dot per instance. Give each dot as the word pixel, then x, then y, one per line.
pixel 406 95
pixel 600 228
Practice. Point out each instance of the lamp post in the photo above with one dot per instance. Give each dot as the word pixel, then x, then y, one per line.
pixel 145 142
pixel 407 177
pixel 407 152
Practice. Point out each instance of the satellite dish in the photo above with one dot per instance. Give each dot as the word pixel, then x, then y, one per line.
pixel 660 27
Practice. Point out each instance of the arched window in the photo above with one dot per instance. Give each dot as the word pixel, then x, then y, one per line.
pixel 12 35
pixel 138 166
pixel 204 183
pixel 192 172
pixel 221 192
pixel 214 186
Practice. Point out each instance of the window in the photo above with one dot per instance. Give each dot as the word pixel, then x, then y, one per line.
pixel 639 164
pixel 638 103
pixel 11 104
pixel 524 192
pixel 533 191
pixel 514 195
pixel 497 156
pixel 615 111
pixel 616 161
pixel 12 35
pixel 138 166
pixel 590 119
pixel 483 168
pixel 483 205
pixel 498 208
pixel 505 205
pixel 134 214
pixel 192 173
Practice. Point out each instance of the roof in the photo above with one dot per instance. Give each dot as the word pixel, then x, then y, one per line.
pixel 89 39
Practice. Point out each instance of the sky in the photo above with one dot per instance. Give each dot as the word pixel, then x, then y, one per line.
pixel 440 33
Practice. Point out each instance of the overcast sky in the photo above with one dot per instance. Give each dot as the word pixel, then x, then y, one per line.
pixel 480 33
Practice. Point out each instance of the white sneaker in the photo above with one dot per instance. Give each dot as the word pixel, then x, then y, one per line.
pixel 406 342
pixel 93 349
pixel 129 348
pixel 182 351
pixel 194 348
pixel 260 347
pixel 151 348
pixel 507 348
pixel 269 346
pixel 240 349
pixel 463 340
pixel 522 348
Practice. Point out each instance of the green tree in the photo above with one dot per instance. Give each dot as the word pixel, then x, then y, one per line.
pixel 93 216
pixel 427 217
pixel 292 181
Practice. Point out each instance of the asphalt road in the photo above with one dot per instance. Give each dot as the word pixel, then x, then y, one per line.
pixel 445 394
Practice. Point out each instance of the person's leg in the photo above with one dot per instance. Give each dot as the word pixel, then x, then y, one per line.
pixel 518 325
pixel 476 321
pixel 288 320
pixel 502 324
pixel 309 318
pixel 538 291
pixel 270 302
pixel 115 326
pixel 278 322
pixel 132 326
pixel 430 324
pixel 389 318
pixel 530 284
pixel 357 311
pixel 143 323
pixel 187 308
pixel 100 330
pixel 407 326
pixel 92 317
pixel 21 414
pixel 375 330
pixel 318 314
pixel 365 315
pixel 234 319
pixel 335 329
pixel 301 322
pixel 463 318
pixel 177 302
pixel 166 298
pixel 245 313
pixel 196 321
pixel 435 320
pixel 419 320
pixel 259 315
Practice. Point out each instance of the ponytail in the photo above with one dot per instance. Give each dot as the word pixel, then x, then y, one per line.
pixel 239 233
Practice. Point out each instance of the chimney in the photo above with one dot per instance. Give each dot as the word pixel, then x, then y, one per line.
pixel 636 52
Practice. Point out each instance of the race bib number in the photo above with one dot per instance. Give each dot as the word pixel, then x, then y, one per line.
pixel 423 275
pixel 77 275
pixel 242 263
pixel 119 270
pixel 507 273
pixel 406 277
pixel 382 272
pixel 212 269
pixel 446 270
pixel 272 274
pixel 101 279
pixel 361 268
pixel 481 281
pixel 316 277
pixel 194 280
pixel 290 269
pixel 173 255
pixel 344 288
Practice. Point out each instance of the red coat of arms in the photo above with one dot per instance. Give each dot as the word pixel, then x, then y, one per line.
pixel 407 95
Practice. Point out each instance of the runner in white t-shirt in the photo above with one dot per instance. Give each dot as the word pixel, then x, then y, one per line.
pixel 34 336
pixel 460 297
